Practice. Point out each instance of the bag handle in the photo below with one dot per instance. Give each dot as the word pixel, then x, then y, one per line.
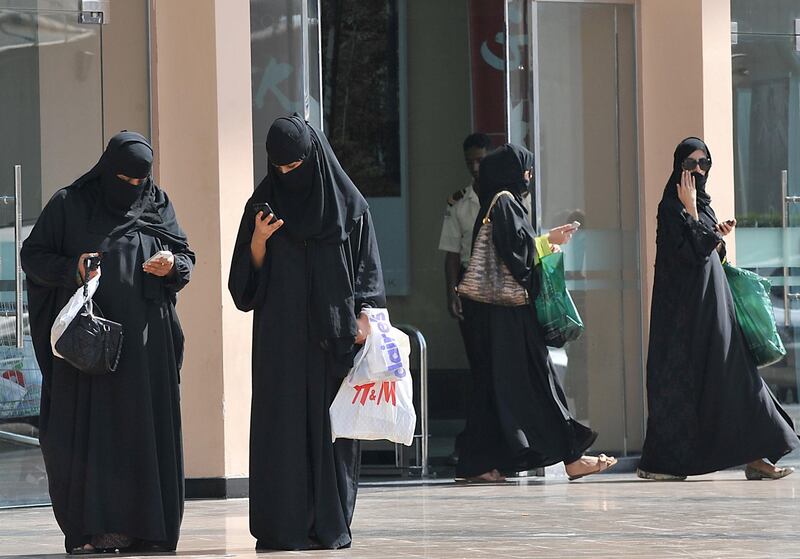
pixel 497 196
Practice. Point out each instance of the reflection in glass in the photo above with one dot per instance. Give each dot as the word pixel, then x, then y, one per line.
pixel 766 99
pixel 361 76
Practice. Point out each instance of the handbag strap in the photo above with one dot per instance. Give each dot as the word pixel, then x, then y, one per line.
pixel 486 218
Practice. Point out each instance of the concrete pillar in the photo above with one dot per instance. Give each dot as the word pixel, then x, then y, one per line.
pixel 203 140
pixel 685 90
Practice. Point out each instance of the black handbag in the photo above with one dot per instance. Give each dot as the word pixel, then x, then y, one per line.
pixel 91 343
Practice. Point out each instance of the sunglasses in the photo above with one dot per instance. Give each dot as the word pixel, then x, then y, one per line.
pixel 690 164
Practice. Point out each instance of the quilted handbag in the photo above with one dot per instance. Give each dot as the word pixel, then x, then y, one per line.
pixel 91 343
pixel 488 279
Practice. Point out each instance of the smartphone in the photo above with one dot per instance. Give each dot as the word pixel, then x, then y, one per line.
pixel 576 225
pixel 263 207
pixel 158 256
pixel 92 263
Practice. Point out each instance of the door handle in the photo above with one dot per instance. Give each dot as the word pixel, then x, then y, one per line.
pixel 785 200
pixel 17 201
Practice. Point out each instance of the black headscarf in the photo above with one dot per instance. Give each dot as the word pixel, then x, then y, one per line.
pixel 320 206
pixel 503 169
pixel 684 150
pixel 120 207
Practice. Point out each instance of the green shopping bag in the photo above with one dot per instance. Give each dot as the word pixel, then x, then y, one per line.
pixel 555 309
pixel 754 313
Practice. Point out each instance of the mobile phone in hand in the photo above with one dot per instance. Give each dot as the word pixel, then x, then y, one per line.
pixel 264 207
pixel 92 263
pixel 161 254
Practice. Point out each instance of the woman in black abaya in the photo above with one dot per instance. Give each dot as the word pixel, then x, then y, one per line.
pixel 307 276
pixel 518 416
pixel 112 443
pixel 708 407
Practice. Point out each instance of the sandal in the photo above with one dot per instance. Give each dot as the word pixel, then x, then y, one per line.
pixel 603 463
pixel 655 476
pixel 754 474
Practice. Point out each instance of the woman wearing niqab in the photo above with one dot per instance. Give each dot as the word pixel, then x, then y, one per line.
pixel 708 407
pixel 518 417
pixel 306 276
pixel 112 443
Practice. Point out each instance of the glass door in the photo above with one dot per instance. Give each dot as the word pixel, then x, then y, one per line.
pixel 51 129
pixel 766 82
pixel 571 98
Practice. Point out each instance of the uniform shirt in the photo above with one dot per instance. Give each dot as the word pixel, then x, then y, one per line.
pixel 459 219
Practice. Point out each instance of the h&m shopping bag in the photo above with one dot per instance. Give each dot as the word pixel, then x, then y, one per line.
pixel 754 314
pixel 375 410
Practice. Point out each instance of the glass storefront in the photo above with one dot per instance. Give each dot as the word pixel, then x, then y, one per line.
pixel 75 83
pixel 766 101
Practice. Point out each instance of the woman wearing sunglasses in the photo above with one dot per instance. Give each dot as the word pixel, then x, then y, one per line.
pixel 708 407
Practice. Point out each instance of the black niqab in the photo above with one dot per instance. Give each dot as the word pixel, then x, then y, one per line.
pixel 320 206
pixel 120 207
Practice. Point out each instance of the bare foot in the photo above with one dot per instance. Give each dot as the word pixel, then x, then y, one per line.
pixel 587 465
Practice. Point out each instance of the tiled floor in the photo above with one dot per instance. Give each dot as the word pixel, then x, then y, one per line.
pixel 716 516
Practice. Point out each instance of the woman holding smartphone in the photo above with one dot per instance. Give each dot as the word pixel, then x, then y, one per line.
pixel 708 407
pixel 112 442
pixel 306 263
pixel 518 416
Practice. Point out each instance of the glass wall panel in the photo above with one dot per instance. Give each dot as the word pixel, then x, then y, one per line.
pixel 51 127
pixel 766 101
pixel 587 172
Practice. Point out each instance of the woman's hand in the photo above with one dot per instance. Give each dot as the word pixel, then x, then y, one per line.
pixel 687 193
pixel 82 267
pixel 265 227
pixel 724 228
pixel 263 230
pixel 364 329
pixel 162 266
pixel 555 248
pixel 562 234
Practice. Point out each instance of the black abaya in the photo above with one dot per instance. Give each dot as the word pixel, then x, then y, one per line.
pixel 305 299
pixel 708 407
pixel 111 443
pixel 518 417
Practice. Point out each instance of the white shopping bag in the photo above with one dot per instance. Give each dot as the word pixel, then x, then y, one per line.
pixel 71 310
pixel 374 411
pixel 385 354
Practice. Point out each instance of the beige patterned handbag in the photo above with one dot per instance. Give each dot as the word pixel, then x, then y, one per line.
pixel 488 279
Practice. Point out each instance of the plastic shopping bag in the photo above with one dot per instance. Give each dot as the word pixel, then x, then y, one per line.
pixel 754 314
pixel 71 310
pixel 555 309
pixel 375 411
pixel 385 354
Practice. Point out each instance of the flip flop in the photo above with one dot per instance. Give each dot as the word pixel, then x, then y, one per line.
pixel 603 463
